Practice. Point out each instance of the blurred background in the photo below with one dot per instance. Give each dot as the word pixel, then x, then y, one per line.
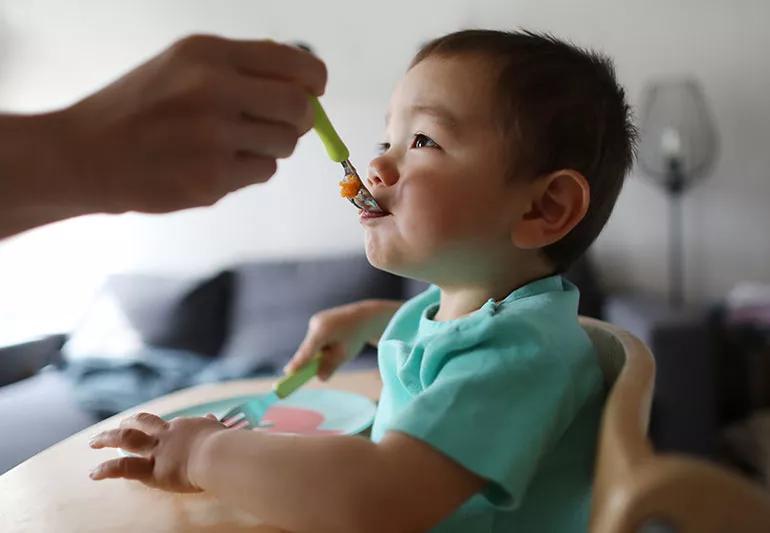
pixel 80 298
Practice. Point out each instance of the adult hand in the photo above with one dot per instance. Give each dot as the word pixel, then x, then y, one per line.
pixel 205 117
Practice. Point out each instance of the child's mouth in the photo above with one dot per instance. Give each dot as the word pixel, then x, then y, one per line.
pixel 368 215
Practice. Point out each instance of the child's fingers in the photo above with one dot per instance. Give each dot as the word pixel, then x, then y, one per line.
pixel 146 422
pixel 309 347
pixel 129 439
pixel 332 358
pixel 126 467
pixel 240 425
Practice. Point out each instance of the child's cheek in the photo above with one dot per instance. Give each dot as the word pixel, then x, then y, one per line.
pixel 433 226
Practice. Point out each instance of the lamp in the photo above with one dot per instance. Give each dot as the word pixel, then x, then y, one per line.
pixel 678 146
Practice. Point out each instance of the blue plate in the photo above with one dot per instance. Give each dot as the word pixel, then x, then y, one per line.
pixel 306 412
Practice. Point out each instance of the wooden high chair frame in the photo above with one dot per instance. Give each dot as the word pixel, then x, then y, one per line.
pixel 639 491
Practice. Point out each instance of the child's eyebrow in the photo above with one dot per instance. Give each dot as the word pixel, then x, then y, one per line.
pixel 438 112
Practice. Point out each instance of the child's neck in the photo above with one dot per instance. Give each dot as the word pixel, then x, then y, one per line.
pixel 465 297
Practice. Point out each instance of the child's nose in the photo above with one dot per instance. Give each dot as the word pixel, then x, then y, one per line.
pixel 381 173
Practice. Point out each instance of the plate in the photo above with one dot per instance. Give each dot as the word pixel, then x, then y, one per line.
pixel 306 412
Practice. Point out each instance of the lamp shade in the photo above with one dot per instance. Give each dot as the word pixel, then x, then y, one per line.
pixel 676 130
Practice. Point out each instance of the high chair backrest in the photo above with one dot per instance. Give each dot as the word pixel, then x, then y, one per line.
pixel 638 491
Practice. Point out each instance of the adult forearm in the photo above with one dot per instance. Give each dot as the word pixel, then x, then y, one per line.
pixel 36 173
pixel 297 483
pixel 16 219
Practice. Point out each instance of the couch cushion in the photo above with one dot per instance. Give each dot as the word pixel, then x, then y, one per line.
pixel 134 310
pixel 198 321
pixel 274 300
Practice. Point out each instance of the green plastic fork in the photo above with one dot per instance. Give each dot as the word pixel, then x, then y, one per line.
pixel 249 414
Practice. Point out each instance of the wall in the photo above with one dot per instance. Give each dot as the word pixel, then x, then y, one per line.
pixel 53 53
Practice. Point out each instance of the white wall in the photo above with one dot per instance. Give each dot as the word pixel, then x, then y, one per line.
pixel 54 52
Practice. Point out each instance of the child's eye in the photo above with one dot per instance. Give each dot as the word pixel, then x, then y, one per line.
pixel 423 141
pixel 382 148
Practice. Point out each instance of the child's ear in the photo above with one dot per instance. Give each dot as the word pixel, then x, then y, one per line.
pixel 558 203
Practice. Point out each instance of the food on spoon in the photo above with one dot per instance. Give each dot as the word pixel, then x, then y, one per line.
pixel 350 186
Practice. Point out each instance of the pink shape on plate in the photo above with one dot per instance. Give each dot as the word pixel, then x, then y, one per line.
pixel 295 420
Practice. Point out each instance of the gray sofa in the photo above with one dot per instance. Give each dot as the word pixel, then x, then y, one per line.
pixel 244 321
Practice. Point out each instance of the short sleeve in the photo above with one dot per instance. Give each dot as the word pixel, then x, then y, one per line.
pixel 496 412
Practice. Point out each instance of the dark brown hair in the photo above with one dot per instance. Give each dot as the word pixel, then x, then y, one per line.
pixel 562 108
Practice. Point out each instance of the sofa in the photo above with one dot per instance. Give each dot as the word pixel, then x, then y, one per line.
pixel 146 335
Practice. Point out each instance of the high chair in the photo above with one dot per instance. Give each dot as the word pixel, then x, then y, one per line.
pixel 638 491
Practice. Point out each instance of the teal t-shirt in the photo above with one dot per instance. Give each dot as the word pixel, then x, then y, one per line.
pixel 513 392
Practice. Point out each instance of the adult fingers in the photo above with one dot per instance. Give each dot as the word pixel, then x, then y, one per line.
pixel 263 139
pixel 246 169
pixel 147 422
pixel 268 59
pixel 270 100
pixel 129 439
pixel 138 468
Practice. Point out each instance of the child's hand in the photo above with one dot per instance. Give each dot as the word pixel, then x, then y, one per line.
pixel 165 450
pixel 340 334
pixel 337 333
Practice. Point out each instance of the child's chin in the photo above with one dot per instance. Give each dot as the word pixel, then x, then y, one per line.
pixel 382 260
pixel 389 263
pixel 375 258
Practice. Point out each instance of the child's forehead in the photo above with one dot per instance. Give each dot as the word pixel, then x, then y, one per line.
pixel 453 89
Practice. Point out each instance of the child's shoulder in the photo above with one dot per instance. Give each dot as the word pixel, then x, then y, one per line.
pixel 536 337
pixel 542 315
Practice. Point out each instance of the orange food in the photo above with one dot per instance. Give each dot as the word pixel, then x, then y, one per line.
pixel 350 186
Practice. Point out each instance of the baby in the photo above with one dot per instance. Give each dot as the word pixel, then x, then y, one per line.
pixel 504 154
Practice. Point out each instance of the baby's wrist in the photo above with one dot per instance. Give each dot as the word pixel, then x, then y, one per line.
pixel 201 458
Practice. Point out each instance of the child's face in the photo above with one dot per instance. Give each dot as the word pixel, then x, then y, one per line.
pixel 442 176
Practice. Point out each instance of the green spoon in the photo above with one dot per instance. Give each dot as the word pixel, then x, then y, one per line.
pixel 339 153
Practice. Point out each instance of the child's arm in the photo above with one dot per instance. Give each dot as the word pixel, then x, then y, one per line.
pixel 299 483
pixel 340 333
pixel 334 483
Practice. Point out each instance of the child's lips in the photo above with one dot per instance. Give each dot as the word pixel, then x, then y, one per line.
pixel 369 215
